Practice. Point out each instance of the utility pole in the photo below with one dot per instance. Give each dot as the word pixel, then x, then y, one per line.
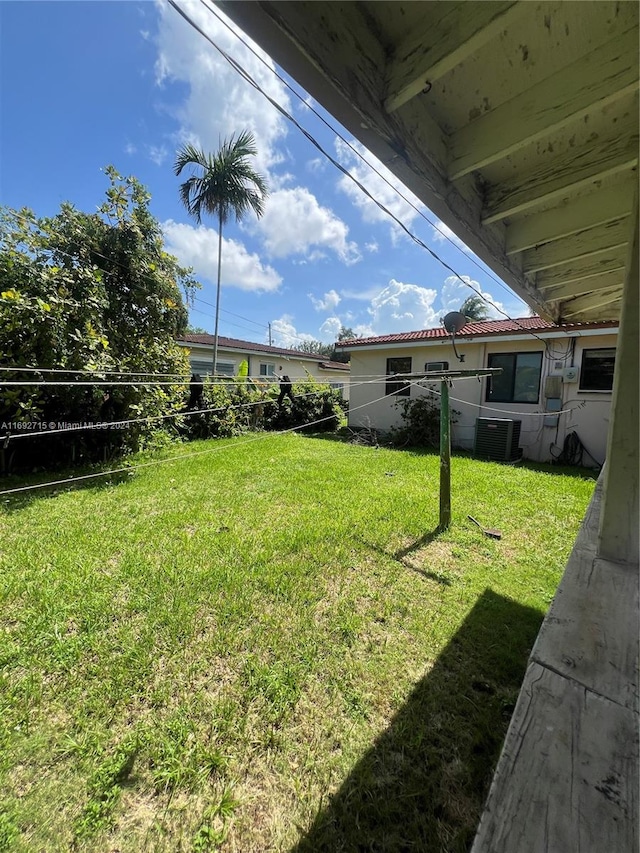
pixel 269 334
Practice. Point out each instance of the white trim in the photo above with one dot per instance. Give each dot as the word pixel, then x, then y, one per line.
pixel 481 339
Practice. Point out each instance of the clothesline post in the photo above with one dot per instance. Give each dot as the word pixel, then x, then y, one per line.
pixel 445 457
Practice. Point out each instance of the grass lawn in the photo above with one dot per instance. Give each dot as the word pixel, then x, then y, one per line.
pixel 263 649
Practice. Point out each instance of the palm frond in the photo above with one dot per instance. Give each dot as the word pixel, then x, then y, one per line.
pixel 189 155
pixel 226 184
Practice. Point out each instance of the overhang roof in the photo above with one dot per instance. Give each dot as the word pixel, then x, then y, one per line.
pixel 516 123
pixel 523 326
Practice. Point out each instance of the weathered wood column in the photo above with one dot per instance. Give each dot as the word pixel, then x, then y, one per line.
pixel 620 516
pixel 445 457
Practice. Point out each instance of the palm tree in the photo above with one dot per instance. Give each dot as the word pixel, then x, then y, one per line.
pixel 225 184
pixel 474 308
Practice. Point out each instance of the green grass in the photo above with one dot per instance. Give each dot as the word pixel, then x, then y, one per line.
pixel 263 648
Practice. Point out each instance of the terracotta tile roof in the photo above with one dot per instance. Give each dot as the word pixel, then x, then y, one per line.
pixel 235 343
pixel 473 329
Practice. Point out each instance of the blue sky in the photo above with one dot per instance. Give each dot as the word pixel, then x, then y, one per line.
pixel 86 84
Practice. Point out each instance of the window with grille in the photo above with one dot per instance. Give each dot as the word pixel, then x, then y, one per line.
pixel 597 369
pixel 398 387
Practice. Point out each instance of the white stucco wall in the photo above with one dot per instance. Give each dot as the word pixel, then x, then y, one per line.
pixel 293 366
pixel 370 406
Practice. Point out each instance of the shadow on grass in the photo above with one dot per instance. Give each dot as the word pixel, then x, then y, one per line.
pixel 402 554
pixel 422 785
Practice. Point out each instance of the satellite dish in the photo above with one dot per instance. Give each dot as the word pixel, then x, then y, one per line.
pixel 454 321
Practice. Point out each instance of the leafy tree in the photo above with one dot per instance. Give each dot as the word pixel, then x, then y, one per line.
pixel 475 308
pixel 225 184
pixel 328 351
pixel 314 348
pixel 89 292
pixel 195 330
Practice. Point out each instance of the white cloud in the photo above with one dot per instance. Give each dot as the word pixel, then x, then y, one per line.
pixel 401 307
pixel 363 330
pixel 366 294
pixel 285 334
pixel 377 185
pixel 454 292
pixel 372 247
pixel 157 154
pixel 330 329
pixel 198 248
pixel 219 101
pixel 317 165
pixel 130 148
pixel 329 301
pixel 294 223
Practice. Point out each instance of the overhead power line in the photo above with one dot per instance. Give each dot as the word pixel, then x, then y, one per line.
pixel 355 151
pixel 249 79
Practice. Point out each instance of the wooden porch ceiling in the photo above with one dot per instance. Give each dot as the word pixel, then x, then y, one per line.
pixel 516 123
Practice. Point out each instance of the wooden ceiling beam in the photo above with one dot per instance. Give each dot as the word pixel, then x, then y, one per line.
pixel 613 310
pixel 451 34
pixel 599 208
pixel 579 168
pixel 594 300
pixel 584 244
pixel 583 268
pixel 597 79
pixel 615 278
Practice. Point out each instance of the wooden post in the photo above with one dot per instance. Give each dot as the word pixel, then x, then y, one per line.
pixel 445 457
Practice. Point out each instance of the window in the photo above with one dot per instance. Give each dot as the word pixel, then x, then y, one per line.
pixel 337 386
pixel 267 368
pixel 519 381
pixel 398 365
pixel 203 367
pixel 432 366
pixel 597 369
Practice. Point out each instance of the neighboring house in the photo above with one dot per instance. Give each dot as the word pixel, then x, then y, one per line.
pixel 264 361
pixel 545 368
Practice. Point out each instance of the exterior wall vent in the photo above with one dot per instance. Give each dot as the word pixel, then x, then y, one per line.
pixel 497 439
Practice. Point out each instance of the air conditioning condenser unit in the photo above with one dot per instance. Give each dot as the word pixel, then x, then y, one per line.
pixel 497 439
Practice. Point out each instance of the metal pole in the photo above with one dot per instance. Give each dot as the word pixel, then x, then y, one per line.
pixel 445 457
pixel 215 334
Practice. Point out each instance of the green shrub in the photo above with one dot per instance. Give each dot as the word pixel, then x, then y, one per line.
pixel 316 408
pixel 420 422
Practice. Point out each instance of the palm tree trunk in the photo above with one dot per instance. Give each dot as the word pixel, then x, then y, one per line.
pixel 215 333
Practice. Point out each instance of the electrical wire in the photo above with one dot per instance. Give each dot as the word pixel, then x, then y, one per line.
pixel 101 425
pixel 482 267
pixel 189 300
pixel 249 79
pixel 131 468
pixel 507 411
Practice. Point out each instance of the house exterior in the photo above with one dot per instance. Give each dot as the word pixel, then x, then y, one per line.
pixel 545 369
pixel 264 361
pixel 517 125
